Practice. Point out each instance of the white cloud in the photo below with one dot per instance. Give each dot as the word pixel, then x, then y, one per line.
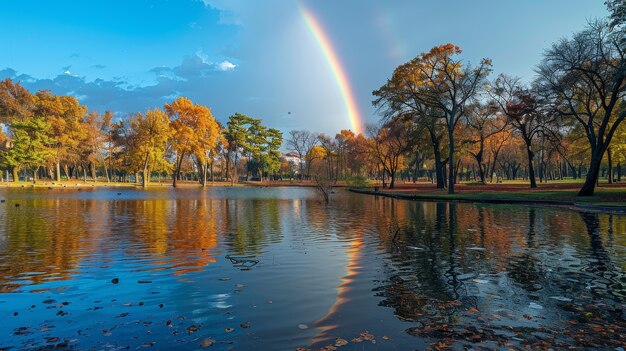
pixel 225 66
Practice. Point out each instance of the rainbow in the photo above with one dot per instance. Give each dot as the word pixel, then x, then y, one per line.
pixel 335 66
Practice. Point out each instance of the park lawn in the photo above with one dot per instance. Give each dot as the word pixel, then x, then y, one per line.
pixel 561 193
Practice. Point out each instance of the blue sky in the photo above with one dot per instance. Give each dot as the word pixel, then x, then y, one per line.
pixel 258 57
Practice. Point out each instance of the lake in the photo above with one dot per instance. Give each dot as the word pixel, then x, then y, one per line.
pixel 248 268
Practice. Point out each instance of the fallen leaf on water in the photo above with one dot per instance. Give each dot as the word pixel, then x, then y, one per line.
pixel 339 342
pixel 385 337
pixel 229 330
pixel 473 310
pixel 208 342
pixel 367 336
pixel 303 326
pixel 193 328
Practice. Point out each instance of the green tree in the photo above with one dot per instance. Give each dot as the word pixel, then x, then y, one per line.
pixel 31 145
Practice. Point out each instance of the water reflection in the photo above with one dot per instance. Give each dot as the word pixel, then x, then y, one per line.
pixel 504 267
pixel 187 264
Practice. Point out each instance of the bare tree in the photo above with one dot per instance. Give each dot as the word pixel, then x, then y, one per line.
pixel 301 142
pixel 520 105
pixel 584 79
pixel 483 123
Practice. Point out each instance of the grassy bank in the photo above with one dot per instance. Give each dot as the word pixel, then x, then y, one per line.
pixel 99 184
pixel 606 199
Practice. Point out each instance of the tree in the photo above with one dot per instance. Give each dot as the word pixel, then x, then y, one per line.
pixel 194 131
pixel 520 105
pixel 300 142
pixel 436 79
pixel 31 146
pixel 151 133
pixel 584 79
pixel 236 137
pixel 389 143
pixel 482 123
pixel 618 13
pixel 16 103
pixel 65 115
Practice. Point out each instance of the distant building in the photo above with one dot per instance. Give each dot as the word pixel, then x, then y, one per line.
pixel 294 160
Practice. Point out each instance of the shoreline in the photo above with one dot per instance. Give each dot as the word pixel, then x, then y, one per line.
pixel 472 198
pixel 181 184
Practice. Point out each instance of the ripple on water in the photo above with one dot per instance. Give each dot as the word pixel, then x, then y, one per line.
pixel 246 267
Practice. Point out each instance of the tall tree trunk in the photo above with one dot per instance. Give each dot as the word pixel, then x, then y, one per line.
pixel 16 174
pixel 531 169
pixel 146 174
pixel 591 179
pixel 179 164
pixel 451 160
pixel 439 168
pixel 610 175
pixel 93 172
pixel 479 161
pixel 204 173
pixel 57 173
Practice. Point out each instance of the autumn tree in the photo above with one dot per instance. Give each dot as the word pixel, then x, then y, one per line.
pixel 194 131
pixel 524 113
pixel 65 115
pixel 584 77
pixel 439 80
pixel 151 132
pixel 389 143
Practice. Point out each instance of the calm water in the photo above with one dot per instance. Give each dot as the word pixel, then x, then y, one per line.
pixel 176 269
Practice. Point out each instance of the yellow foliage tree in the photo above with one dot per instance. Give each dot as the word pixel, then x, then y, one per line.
pixel 194 132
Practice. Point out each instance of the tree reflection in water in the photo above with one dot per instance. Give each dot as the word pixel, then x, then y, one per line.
pixel 450 272
pixel 500 274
